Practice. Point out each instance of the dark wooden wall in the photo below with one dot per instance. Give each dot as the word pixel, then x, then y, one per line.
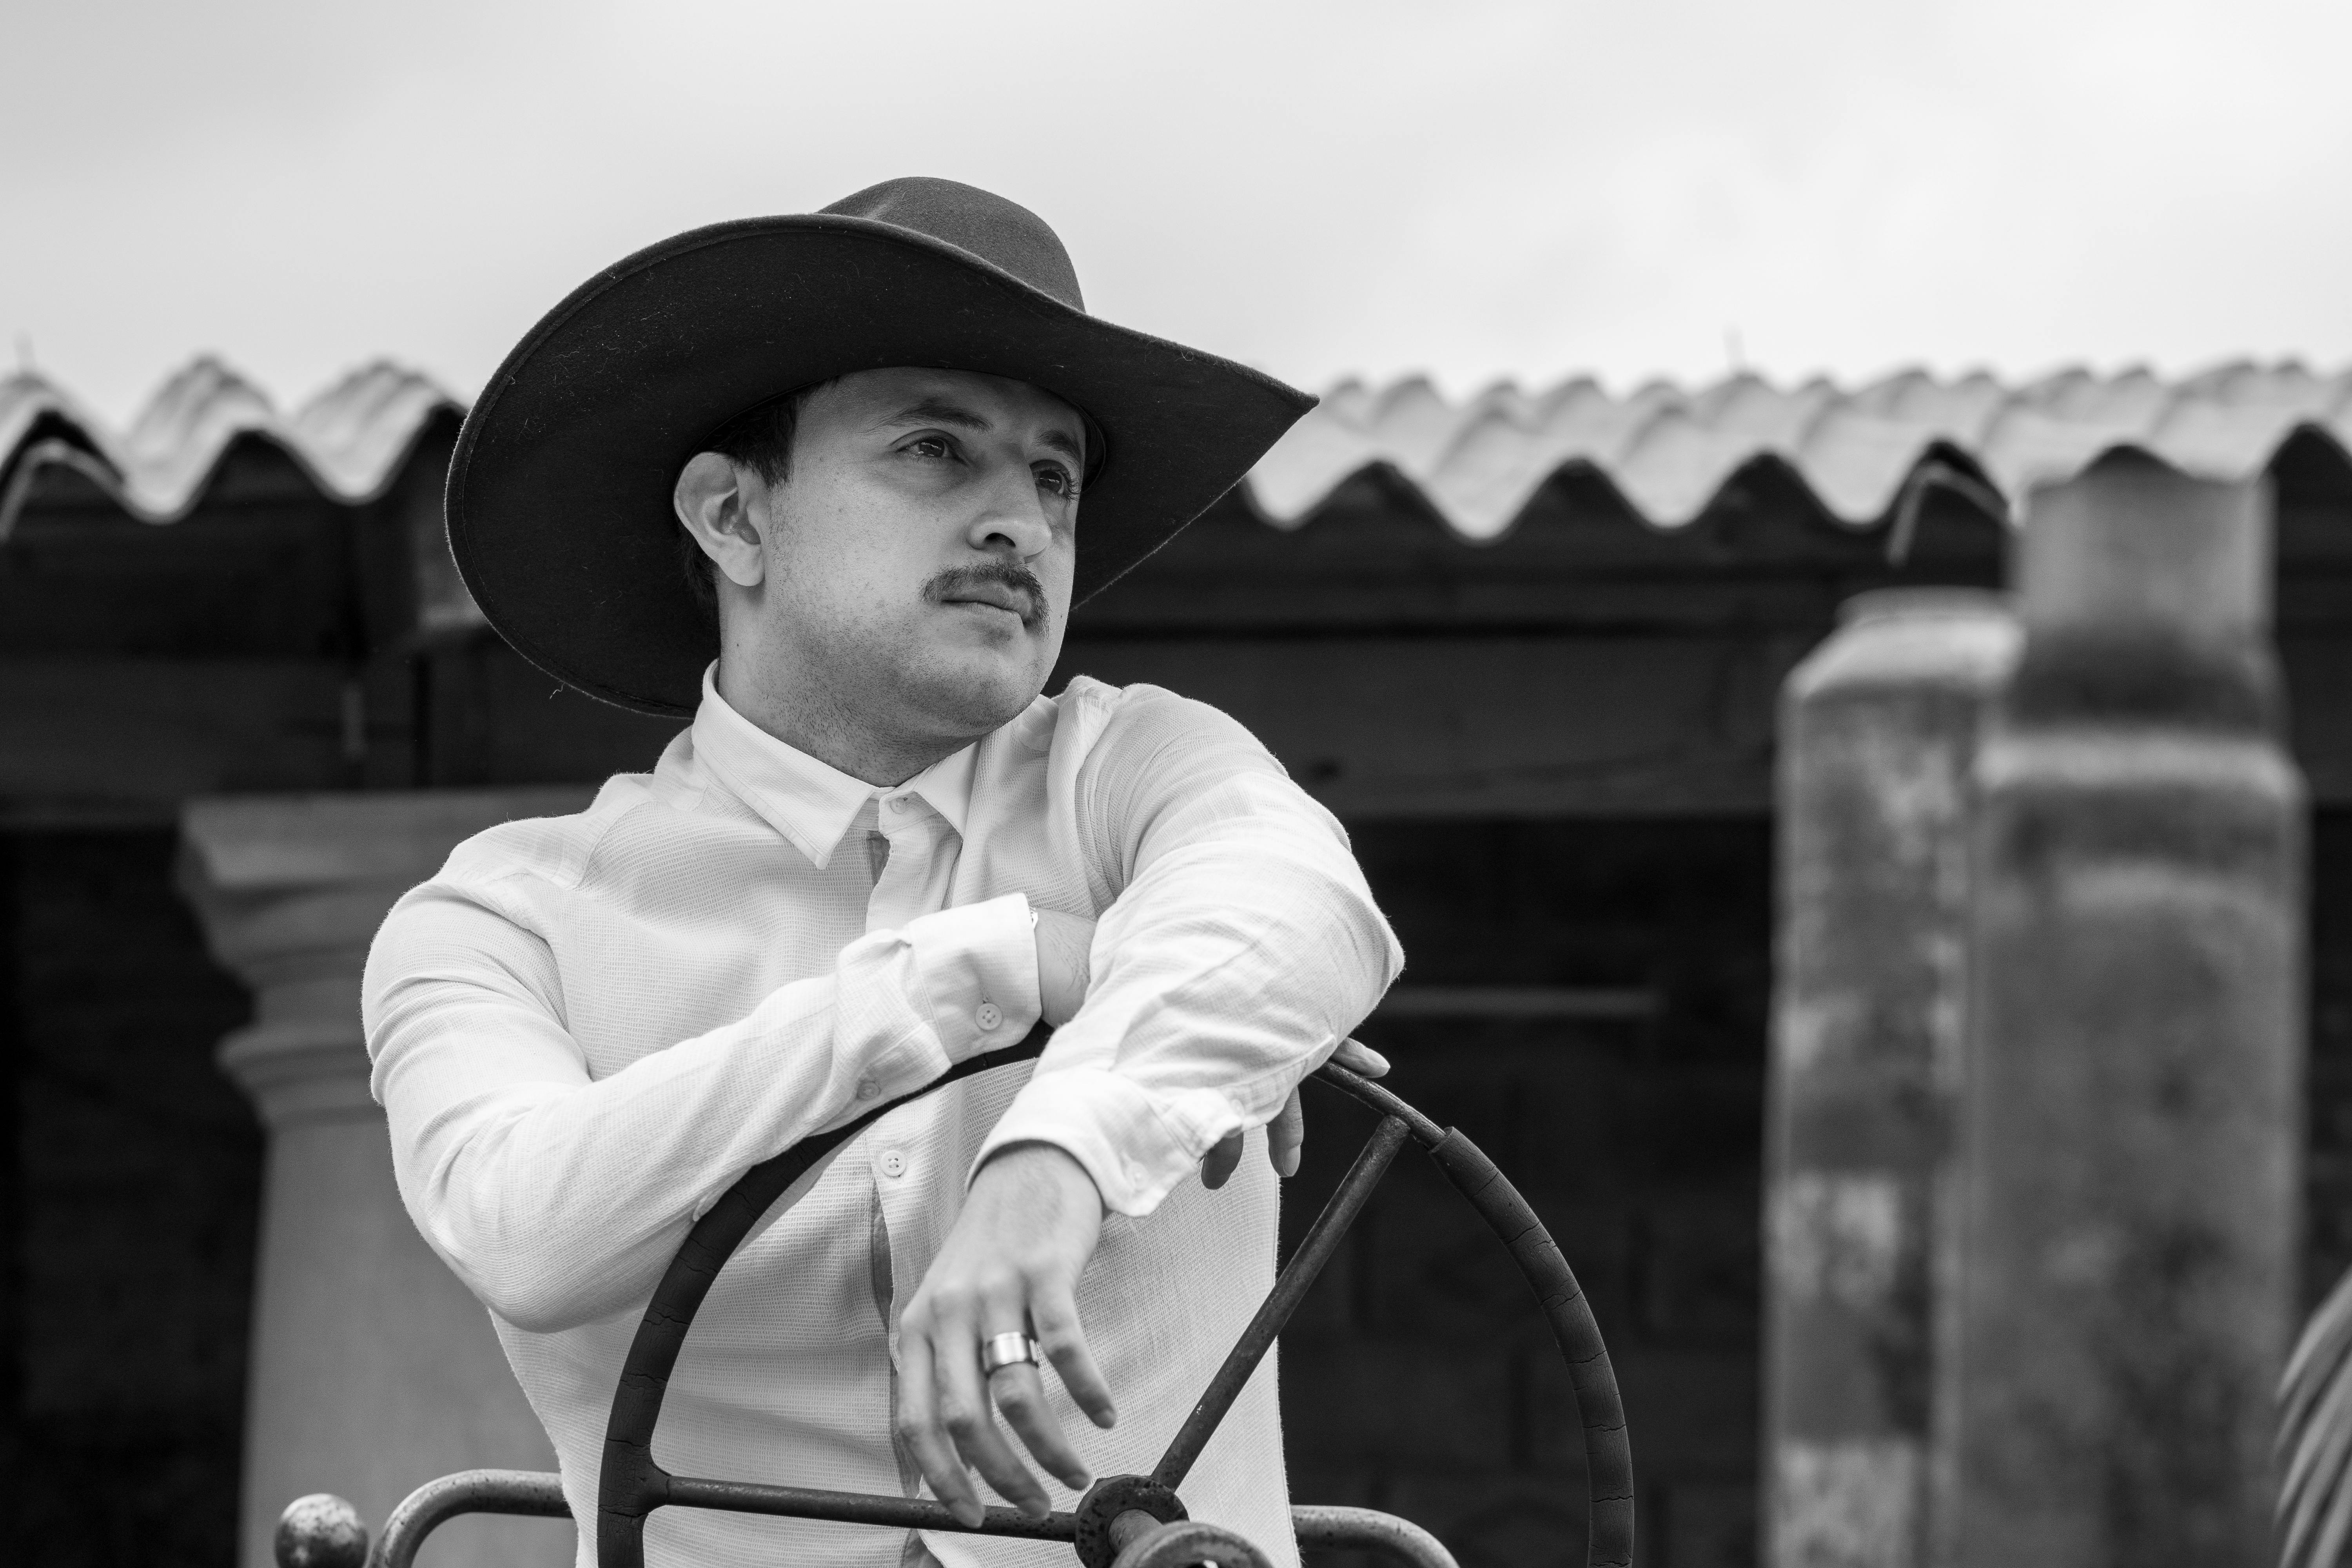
pixel 1420 1377
pixel 133 1173
pixel 1584 665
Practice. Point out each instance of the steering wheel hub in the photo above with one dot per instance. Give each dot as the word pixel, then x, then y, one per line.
pixel 1112 1496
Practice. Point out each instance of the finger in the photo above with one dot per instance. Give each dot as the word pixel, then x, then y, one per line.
pixel 965 1411
pixel 1360 1059
pixel 919 1429
pixel 1218 1163
pixel 1284 1135
pixel 1064 1337
pixel 1020 1393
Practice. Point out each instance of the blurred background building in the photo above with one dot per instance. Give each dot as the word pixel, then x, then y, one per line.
pixel 1528 645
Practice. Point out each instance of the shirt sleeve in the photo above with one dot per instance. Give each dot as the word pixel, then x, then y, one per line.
pixel 1241 948
pixel 559 1197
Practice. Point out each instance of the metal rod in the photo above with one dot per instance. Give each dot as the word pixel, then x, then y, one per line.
pixel 539 1494
pixel 1379 1100
pixel 1289 1287
pixel 1131 1527
pixel 857 1508
pixel 534 1494
pixel 1335 1528
pixel 1608 1452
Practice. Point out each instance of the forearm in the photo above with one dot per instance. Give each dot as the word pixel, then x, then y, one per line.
pixel 1244 952
pixel 558 1196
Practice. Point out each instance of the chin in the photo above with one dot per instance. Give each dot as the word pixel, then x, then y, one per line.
pixel 971 696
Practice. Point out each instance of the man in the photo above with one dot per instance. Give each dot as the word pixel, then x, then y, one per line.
pixel 876 851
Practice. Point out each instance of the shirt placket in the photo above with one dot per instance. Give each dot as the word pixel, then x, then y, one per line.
pixel 910 1170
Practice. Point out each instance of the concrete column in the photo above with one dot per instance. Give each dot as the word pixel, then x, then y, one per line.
pixel 1879 739
pixel 2132 1122
pixel 373 1369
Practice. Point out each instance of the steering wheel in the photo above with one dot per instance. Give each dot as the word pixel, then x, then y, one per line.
pixel 1123 1521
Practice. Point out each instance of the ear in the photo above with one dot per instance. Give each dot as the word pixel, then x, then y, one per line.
pixel 714 504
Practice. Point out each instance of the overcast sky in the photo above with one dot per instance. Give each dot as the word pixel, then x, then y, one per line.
pixel 1472 189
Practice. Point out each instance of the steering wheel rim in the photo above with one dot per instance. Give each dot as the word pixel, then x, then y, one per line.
pixel 631 1484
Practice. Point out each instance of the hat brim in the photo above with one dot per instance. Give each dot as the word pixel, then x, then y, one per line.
pixel 558 503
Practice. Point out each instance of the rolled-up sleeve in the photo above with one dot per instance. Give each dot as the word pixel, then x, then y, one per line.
pixel 1242 946
pixel 557 1198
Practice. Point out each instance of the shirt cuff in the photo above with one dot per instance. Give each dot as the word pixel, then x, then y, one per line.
pixel 977 967
pixel 1136 1146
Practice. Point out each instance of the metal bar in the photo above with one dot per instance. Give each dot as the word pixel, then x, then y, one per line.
pixel 1131 1527
pixel 1292 1284
pixel 538 1494
pixel 1338 1529
pixel 857 1508
pixel 534 1494
pixel 1381 1102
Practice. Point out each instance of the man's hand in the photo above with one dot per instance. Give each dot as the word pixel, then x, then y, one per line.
pixel 1287 1133
pixel 1011 1264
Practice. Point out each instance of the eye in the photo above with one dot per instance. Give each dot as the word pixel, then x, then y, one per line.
pixel 1055 479
pixel 930 447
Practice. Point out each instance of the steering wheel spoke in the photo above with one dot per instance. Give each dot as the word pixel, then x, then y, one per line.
pixel 1290 1288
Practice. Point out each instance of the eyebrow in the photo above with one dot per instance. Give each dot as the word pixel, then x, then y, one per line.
pixel 940 411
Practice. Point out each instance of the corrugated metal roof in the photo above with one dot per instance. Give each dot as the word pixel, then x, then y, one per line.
pixel 351 440
pixel 1669 452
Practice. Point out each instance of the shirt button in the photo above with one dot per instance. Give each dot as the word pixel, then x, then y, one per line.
pixel 988 1015
pixel 893 1164
pixel 898 803
pixel 867 1089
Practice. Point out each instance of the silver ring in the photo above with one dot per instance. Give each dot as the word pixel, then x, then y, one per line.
pixel 1001 1351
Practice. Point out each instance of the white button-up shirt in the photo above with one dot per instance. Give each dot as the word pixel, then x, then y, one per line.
pixel 586 1028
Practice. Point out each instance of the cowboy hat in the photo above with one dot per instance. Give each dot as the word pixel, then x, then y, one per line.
pixel 559 501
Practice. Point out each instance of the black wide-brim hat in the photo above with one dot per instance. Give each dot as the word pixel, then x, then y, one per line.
pixel 559 493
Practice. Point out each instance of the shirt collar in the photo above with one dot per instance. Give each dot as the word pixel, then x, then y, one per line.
pixel 811 803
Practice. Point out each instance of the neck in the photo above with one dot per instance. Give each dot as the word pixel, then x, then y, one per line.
pixel 842 735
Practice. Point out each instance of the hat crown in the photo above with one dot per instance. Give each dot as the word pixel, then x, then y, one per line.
pixel 1005 234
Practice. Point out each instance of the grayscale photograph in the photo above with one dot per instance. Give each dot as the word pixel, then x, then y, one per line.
pixel 1526 784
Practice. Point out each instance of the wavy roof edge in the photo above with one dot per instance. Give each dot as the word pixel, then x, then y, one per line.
pixel 1668 451
pixel 351 440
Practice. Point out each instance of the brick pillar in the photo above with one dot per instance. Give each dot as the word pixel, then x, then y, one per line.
pixel 2132 1124
pixel 373 1369
pixel 1879 739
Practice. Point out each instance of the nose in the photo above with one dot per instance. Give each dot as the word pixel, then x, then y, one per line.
pixel 1012 519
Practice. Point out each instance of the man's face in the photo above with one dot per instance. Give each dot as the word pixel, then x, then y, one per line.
pixel 920 551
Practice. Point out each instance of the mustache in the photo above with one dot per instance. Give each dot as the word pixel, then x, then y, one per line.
pixel 958 582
